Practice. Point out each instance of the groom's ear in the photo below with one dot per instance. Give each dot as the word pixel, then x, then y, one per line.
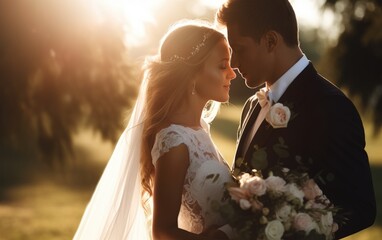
pixel 271 40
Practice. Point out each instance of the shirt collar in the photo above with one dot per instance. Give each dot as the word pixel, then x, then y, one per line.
pixel 279 87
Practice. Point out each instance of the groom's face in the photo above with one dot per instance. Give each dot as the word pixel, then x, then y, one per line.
pixel 252 58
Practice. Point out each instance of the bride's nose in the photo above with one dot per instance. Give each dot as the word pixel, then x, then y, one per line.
pixel 231 74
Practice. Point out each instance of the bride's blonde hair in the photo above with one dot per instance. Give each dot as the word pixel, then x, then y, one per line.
pixel 169 75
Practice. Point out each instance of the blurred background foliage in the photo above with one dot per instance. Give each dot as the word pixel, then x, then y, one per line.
pixel 61 67
pixel 356 59
pixel 65 64
pixel 69 74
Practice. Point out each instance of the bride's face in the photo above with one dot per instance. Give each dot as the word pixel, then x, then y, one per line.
pixel 213 83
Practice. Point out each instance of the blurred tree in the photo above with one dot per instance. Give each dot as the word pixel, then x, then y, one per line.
pixel 62 66
pixel 356 59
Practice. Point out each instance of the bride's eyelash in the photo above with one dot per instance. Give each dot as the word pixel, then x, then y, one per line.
pixel 224 66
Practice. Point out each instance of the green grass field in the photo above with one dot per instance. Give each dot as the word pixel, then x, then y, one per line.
pixel 47 204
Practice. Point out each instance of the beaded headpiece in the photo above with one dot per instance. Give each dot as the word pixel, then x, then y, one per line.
pixel 195 49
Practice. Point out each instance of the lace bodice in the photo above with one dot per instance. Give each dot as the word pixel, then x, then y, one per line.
pixel 205 177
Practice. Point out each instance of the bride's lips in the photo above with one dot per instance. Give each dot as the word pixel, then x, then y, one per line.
pixel 227 86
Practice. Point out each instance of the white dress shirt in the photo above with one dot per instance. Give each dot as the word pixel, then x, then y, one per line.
pixel 275 91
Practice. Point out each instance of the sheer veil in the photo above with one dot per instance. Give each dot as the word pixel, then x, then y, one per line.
pixel 115 210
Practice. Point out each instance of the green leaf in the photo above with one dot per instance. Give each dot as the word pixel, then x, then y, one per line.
pixel 281 150
pixel 227 211
pixel 259 159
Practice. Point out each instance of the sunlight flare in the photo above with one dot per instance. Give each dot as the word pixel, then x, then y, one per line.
pixel 135 15
pixel 214 4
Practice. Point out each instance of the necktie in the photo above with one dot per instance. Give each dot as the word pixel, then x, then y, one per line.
pixel 263 96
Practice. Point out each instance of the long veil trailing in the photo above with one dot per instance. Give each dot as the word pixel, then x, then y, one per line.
pixel 115 210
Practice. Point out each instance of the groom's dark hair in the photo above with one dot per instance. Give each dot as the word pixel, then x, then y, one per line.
pixel 256 17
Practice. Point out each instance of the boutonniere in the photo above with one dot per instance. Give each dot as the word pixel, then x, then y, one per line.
pixel 278 116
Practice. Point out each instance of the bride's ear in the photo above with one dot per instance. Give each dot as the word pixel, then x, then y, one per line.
pixel 271 40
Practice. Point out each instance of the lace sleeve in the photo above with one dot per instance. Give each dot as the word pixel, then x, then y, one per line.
pixel 165 140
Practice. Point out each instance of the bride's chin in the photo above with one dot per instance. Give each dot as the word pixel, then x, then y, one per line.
pixel 222 99
pixel 225 99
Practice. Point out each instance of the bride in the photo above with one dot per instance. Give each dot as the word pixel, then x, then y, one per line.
pixel 165 173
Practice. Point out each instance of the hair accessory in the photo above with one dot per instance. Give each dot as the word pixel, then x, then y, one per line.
pixel 195 49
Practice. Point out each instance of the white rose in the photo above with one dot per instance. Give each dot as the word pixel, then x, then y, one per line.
pixel 295 192
pixel 275 183
pixel 244 178
pixel 274 230
pixel 284 212
pixel 326 223
pixel 278 116
pixel 255 185
pixel 245 204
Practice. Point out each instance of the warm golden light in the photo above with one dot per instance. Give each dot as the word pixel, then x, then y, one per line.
pixel 138 13
pixel 134 14
pixel 215 4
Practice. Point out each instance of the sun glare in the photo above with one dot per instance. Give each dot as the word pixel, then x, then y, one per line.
pixel 138 13
pixel 308 12
pixel 135 14
pixel 214 4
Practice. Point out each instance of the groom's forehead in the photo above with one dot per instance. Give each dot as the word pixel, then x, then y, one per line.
pixel 234 34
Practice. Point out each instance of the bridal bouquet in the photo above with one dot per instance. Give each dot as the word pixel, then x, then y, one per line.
pixel 290 206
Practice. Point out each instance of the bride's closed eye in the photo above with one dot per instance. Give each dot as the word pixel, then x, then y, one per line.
pixel 224 64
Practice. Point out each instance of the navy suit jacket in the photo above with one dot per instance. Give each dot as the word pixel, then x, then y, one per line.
pixel 326 132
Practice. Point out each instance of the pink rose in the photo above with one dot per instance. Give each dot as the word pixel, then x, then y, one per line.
pixel 311 190
pixel 303 222
pixel 255 185
pixel 238 193
pixel 278 116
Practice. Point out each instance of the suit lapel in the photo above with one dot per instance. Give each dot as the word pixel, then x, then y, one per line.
pixel 294 94
pixel 247 126
pixel 261 136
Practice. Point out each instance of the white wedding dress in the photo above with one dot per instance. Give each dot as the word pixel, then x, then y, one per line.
pixel 115 211
pixel 205 177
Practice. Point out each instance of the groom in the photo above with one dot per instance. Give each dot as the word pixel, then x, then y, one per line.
pixel 323 129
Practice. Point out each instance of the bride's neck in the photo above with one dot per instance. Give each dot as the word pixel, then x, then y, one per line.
pixel 189 114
